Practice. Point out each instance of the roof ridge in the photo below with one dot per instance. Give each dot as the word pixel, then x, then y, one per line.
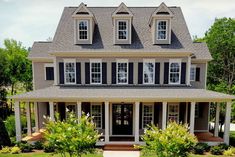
pixel 117 7
pixel 43 41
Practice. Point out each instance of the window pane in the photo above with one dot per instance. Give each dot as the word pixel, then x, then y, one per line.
pixel 174 72
pixel 122 30
pixel 95 72
pixel 122 72
pixel 147 115
pixel 192 73
pixel 96 113
pixel 148 72
pixel 70 72
pixel 161 30
pixel 173 112
pixel 83 30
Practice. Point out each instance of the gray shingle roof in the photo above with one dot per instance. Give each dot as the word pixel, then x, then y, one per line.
pixel 40 49
pixel 103 34
pixel 128 94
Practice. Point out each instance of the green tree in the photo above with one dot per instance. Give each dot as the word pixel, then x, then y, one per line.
pixel 175 141
pixel 72 136
pixel 3 74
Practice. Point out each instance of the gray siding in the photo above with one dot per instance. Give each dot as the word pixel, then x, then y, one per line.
pixel 202 82
pixel 39 76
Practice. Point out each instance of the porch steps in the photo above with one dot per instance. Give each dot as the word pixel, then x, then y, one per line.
pixel 120 147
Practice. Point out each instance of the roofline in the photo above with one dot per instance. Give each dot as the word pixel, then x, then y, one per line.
pixel 41 59
pixel 117 7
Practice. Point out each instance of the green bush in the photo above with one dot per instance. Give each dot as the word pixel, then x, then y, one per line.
pixel 38 145
pixel 15 150
pixel 5 150
pixel 229 152
pixel 10 124
pixel 200 148
pixel 175 140
pixel 25 147
pixel 224 146
pixel 216 150
pixel 48 148
pixel 4 137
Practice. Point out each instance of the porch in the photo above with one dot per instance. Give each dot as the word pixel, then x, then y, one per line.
pixel 121 114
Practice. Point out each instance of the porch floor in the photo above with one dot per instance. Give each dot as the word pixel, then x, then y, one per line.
pixel 207 137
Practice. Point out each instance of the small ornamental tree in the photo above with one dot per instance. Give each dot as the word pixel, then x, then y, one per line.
pixel 72 136
pixel 175 140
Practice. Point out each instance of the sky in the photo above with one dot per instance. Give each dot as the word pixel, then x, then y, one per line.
pixel 36 20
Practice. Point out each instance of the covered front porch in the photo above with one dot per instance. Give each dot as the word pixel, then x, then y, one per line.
pixel 122 117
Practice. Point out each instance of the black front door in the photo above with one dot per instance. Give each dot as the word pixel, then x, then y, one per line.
pixel 122 119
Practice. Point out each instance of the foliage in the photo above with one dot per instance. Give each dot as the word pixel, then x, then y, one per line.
pixel 15 150
pixel 229 152
pixel 48 148
pixel 216 150
pixel 25 147
pixel 5 150
pixel 72 137
pixel 200 148
pixel 10 124
pixel 175 140
pixel 223 146
pixel 38 145
pixel 4 137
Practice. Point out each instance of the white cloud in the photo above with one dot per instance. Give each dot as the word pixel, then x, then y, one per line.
pixel 32 20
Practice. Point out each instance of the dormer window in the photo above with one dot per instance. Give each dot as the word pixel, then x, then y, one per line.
pixel 161 30
pixel 122 30
pixel 83 29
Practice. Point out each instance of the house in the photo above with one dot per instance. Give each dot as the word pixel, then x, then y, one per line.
pixel 127 67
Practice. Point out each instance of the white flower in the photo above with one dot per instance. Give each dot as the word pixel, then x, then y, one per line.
pixel 67 110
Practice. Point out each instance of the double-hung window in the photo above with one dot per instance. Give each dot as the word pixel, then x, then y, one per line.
pixel 122 29
pixel 122 72
pixel 96 71
pixel 174 71
pixel 82 29
pixel 161 30
pixel 96 113
pixel 70 71
pixel 193 73
pixel 147 115
pixel 173 112
pixel 148 71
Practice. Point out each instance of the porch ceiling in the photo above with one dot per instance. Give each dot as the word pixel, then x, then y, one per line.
pixel 120 94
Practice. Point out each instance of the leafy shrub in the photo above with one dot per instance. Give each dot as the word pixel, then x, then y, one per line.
pixel 229 152
pixel 48 148
pixel 216 150
pixel 10 124
pixel 38 145
pixel 15 150
pixel 72 136
pixel 200 148
pixel 175 140
pixel 25 147
pixel 4 137
pixel 5 150
pixel 224 146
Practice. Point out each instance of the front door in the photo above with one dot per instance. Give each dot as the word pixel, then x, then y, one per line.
pixel 122 119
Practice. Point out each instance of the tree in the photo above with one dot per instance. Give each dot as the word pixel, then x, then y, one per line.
pixel 72 136
pixel 175 140
pixel 4 137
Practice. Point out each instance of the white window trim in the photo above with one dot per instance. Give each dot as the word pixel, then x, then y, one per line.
pixel 70 61
pixel 78 21
pixel 127 32
pixel 147 104
pixel 66 113
pixel 157 21
pixel 122 61
pixel 149 61
pixel 96 61
pixel 174 61
pixel 193 66
pixel 98 104
pixel 45 66
pixel 173 104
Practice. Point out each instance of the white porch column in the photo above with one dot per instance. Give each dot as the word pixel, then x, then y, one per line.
pixel 192 117
pixel 36 116
pixel 227 122
pixel 216 125
pixel 79 109
pixel 137 112
pixel 17 121
pixel 52 112
pixel 188 71
pixel 28 116
pixel 164 111
pixel 106 122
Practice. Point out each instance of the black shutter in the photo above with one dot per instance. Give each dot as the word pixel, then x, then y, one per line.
pixel 87 73
pixel 183 73
pixel 61 72
pixel 156 113
pixel 78 72
pixel 166 72
pixel 131 73
pixel 200 108
pixel 140 116
pixel 140 73
pixel 61 109
pixel 157 73
pixel 182 107
pixel 49 73
pixel 103 116
pixel 197 74
pixel 113 72
pixel 86 107
pixel 104 73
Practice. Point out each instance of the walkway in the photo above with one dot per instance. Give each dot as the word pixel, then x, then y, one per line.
pixel 121 153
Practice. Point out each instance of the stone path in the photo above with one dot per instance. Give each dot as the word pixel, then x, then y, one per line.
pixel 121 153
